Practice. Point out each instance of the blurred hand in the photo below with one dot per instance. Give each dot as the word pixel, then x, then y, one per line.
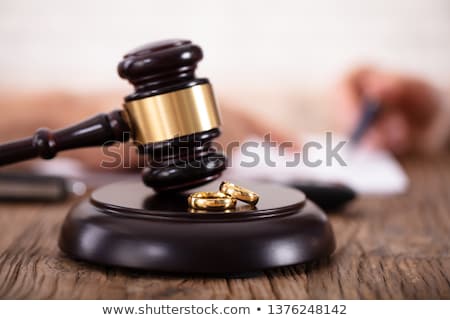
pixel 410 107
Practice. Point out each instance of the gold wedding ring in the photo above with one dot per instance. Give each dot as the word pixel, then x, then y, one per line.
pixel 240 193
pixel 225 199
pixel 211 201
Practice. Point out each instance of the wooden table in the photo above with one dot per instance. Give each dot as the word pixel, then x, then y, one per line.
pixel 388 248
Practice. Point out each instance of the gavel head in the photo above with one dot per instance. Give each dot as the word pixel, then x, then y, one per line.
pixel 172 115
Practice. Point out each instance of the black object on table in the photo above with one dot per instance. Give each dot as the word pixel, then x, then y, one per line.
pixel 328 196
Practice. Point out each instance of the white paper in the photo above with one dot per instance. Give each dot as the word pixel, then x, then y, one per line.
pixel 368 171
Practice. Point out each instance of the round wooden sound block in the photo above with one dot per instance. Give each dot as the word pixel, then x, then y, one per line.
pixel 127 224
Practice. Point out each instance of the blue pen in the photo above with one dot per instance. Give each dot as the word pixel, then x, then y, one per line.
pixel 371 110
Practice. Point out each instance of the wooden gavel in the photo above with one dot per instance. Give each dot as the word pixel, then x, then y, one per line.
pixel 171 117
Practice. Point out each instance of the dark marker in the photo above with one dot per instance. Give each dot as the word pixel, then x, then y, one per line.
pixel 371 110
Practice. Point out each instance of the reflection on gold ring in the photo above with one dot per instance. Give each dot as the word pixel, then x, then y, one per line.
pixel 239 193
pixel 211 201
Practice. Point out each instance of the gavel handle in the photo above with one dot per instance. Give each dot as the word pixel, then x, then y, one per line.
pixel 96 131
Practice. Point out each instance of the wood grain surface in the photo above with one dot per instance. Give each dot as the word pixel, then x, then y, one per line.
pixel 392 247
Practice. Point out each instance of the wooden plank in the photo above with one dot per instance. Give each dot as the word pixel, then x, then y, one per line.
pixel 388 248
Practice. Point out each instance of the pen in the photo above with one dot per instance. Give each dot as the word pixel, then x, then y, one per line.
pixel 371 110
pixel 15 186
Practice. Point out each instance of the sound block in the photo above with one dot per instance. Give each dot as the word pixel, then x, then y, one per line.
pixel 127 224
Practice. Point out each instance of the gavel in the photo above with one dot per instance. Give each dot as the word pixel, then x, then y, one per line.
pixel 171 116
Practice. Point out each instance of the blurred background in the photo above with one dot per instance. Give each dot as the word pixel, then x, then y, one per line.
pixel 260 56
pixel 285 66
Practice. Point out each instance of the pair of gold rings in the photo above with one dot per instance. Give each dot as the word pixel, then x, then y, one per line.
pixel 225 199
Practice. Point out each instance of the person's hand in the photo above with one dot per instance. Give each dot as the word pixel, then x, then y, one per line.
pixel 409 105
